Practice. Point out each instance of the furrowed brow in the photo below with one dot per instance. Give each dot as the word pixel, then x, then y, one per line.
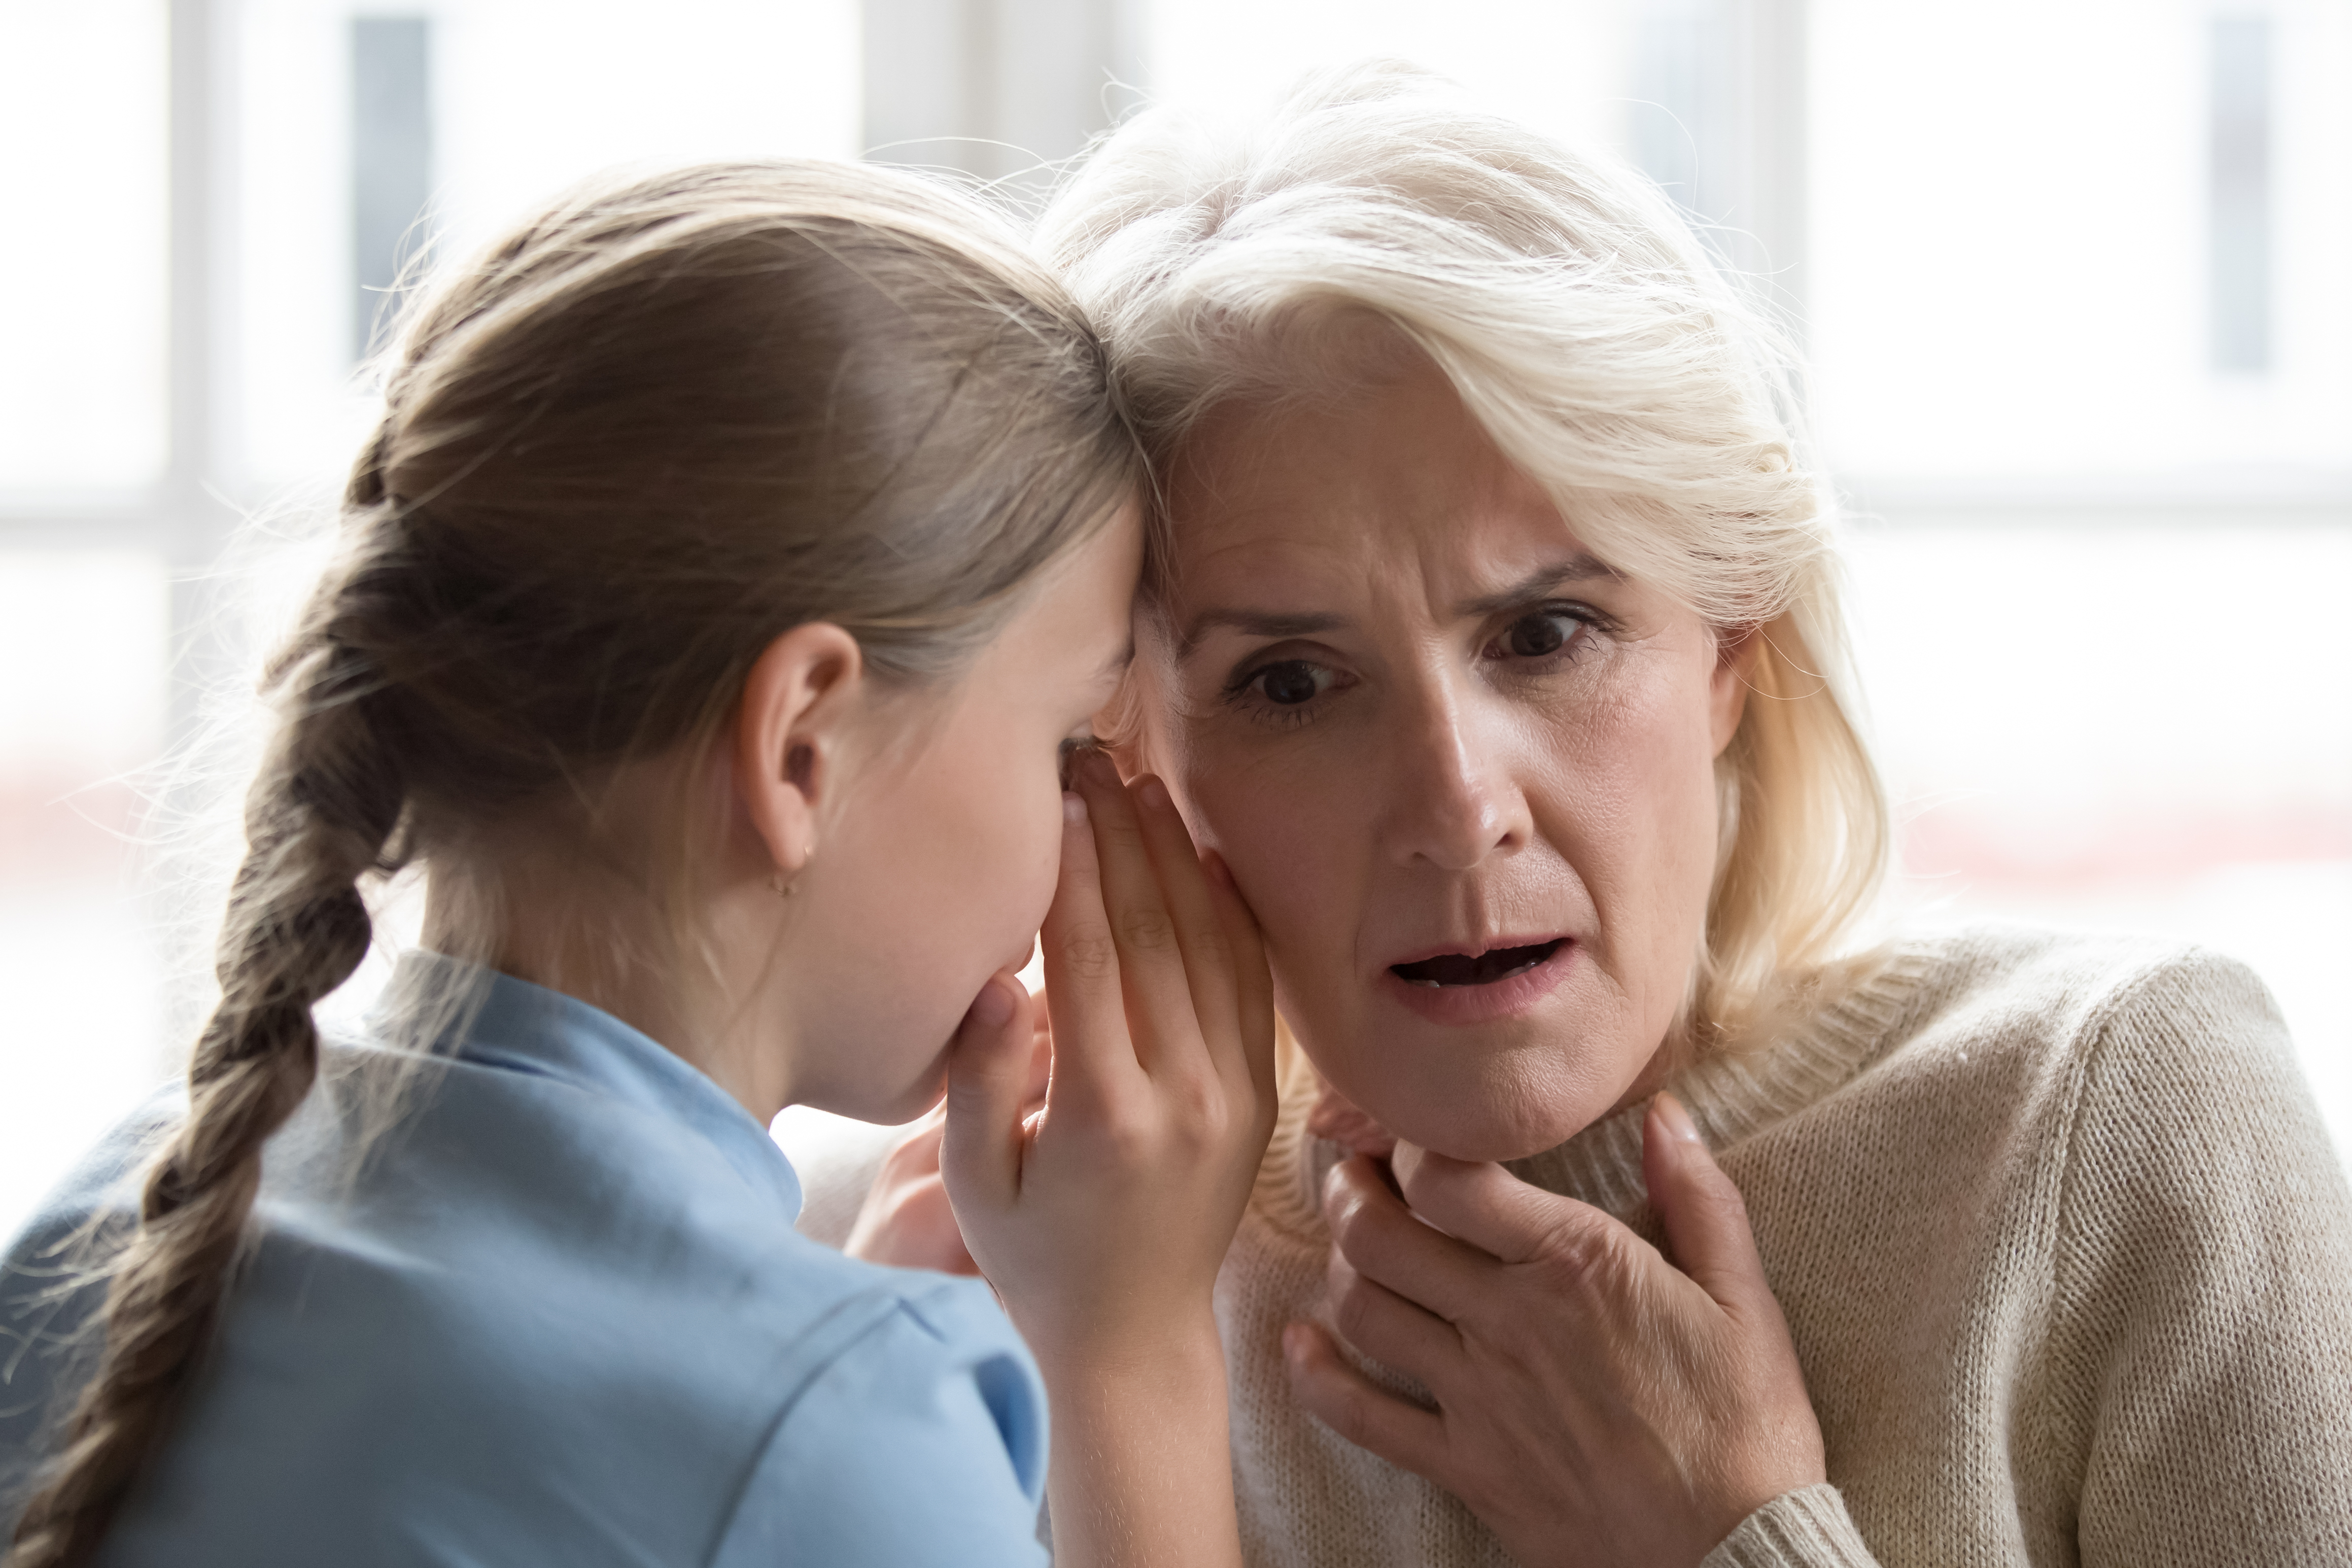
pixel 1544 579
pixel 1255 624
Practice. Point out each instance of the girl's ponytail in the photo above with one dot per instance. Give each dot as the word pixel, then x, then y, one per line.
pixel 322 814
pixel 623 450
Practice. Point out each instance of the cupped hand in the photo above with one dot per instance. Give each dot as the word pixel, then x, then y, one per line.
pixel 1595 1403
pixel 906 1220
pixel 1102 1219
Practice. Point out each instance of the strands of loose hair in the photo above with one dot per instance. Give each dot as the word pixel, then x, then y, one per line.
pixel 1375 214
pixel 621 451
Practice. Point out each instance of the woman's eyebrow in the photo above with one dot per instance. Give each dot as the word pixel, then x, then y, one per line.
pixel 1544 579
pixel 1275 624
pixel 1256 623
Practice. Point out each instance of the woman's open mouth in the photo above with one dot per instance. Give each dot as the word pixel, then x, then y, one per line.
pixel 1476 970
pixel 1479 987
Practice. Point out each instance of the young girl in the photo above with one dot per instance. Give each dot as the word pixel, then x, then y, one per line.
pixel 740 554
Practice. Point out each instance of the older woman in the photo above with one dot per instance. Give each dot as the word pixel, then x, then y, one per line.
pixel 1494 646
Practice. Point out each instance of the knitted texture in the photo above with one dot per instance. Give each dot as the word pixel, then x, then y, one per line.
pixel 2061 1243
pixel 1808 1528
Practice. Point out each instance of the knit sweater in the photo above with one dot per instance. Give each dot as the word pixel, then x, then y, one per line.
pixel 2063 1246
pixel 2060 1241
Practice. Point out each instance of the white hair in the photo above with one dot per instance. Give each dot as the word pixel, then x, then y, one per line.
pixel 1591 335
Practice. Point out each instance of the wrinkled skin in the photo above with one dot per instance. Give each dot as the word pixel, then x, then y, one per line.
pixel 1502 742
pixel 1422 722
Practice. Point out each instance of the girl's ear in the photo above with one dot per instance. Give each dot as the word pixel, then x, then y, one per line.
pixel 789 730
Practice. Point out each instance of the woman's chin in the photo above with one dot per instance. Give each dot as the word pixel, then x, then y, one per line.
pixel 1482 1132
pixel 1519 1098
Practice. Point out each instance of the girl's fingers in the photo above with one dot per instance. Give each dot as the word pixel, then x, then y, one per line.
pixel 1344 1400
pixel 1704 1218
pixel 988 1066
pixel 1092 1056
pixel 1041 1056
pixel 1201 933
pixel 1150 959
pixel 1252 983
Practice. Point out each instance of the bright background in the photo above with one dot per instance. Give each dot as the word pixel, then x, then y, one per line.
pixel 2071 274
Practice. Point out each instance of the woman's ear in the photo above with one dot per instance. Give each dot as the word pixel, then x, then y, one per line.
pixel 789 730
pixel 1736 650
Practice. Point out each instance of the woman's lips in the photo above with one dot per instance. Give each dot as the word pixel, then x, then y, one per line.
pixel 1523 983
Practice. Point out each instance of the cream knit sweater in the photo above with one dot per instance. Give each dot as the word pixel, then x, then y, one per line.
pixel 2065 1250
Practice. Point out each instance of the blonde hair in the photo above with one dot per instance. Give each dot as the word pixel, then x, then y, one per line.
pixel 1593 337
pixel 621 452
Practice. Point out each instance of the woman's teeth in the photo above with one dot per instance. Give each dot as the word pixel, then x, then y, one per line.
pixel 1478 969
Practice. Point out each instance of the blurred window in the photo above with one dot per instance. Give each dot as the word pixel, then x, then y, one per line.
pixel 2241 197
pixel 2069 274
pixel 311 147
pixel 81 339
pixel 391 162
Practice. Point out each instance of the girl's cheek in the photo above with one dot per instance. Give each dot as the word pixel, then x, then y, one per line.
pixel 1044 863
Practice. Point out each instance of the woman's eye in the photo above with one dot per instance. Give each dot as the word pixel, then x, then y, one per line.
pixel 1535 636
pixel 1292 681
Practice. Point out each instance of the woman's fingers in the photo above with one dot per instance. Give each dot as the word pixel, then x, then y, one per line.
pixel 907 1219
pixel 1149 956
pixel 1382 1239
pixel 1335 1119
pixel 1704 1218
pixel 1388 1328
pixel 1351 1405
pixel 1489 1208
pixel 988 1070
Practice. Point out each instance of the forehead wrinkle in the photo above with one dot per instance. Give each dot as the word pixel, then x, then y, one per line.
pixel 1251 560
pixel 1544 579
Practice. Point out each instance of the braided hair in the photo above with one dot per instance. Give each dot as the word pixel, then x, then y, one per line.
pixel 622 452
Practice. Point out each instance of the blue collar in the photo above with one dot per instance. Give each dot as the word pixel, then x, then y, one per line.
pixel 517 1026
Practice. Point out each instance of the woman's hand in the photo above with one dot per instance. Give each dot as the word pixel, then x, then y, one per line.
pixel 906 1220
pixel 1595 1403
pixel 1102 1219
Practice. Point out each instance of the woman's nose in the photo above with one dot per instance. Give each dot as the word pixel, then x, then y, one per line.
pixel 1453 799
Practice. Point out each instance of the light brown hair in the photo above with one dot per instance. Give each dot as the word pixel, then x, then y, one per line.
pixel 621 453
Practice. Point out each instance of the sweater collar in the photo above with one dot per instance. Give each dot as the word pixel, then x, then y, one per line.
pixel 1731 1096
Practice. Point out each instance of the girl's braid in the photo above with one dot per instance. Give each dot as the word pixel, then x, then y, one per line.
pixel 326 806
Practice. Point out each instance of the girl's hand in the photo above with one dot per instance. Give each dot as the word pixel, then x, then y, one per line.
pixel 1102 1219
pixel 1595 1403
pixel 906 1220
